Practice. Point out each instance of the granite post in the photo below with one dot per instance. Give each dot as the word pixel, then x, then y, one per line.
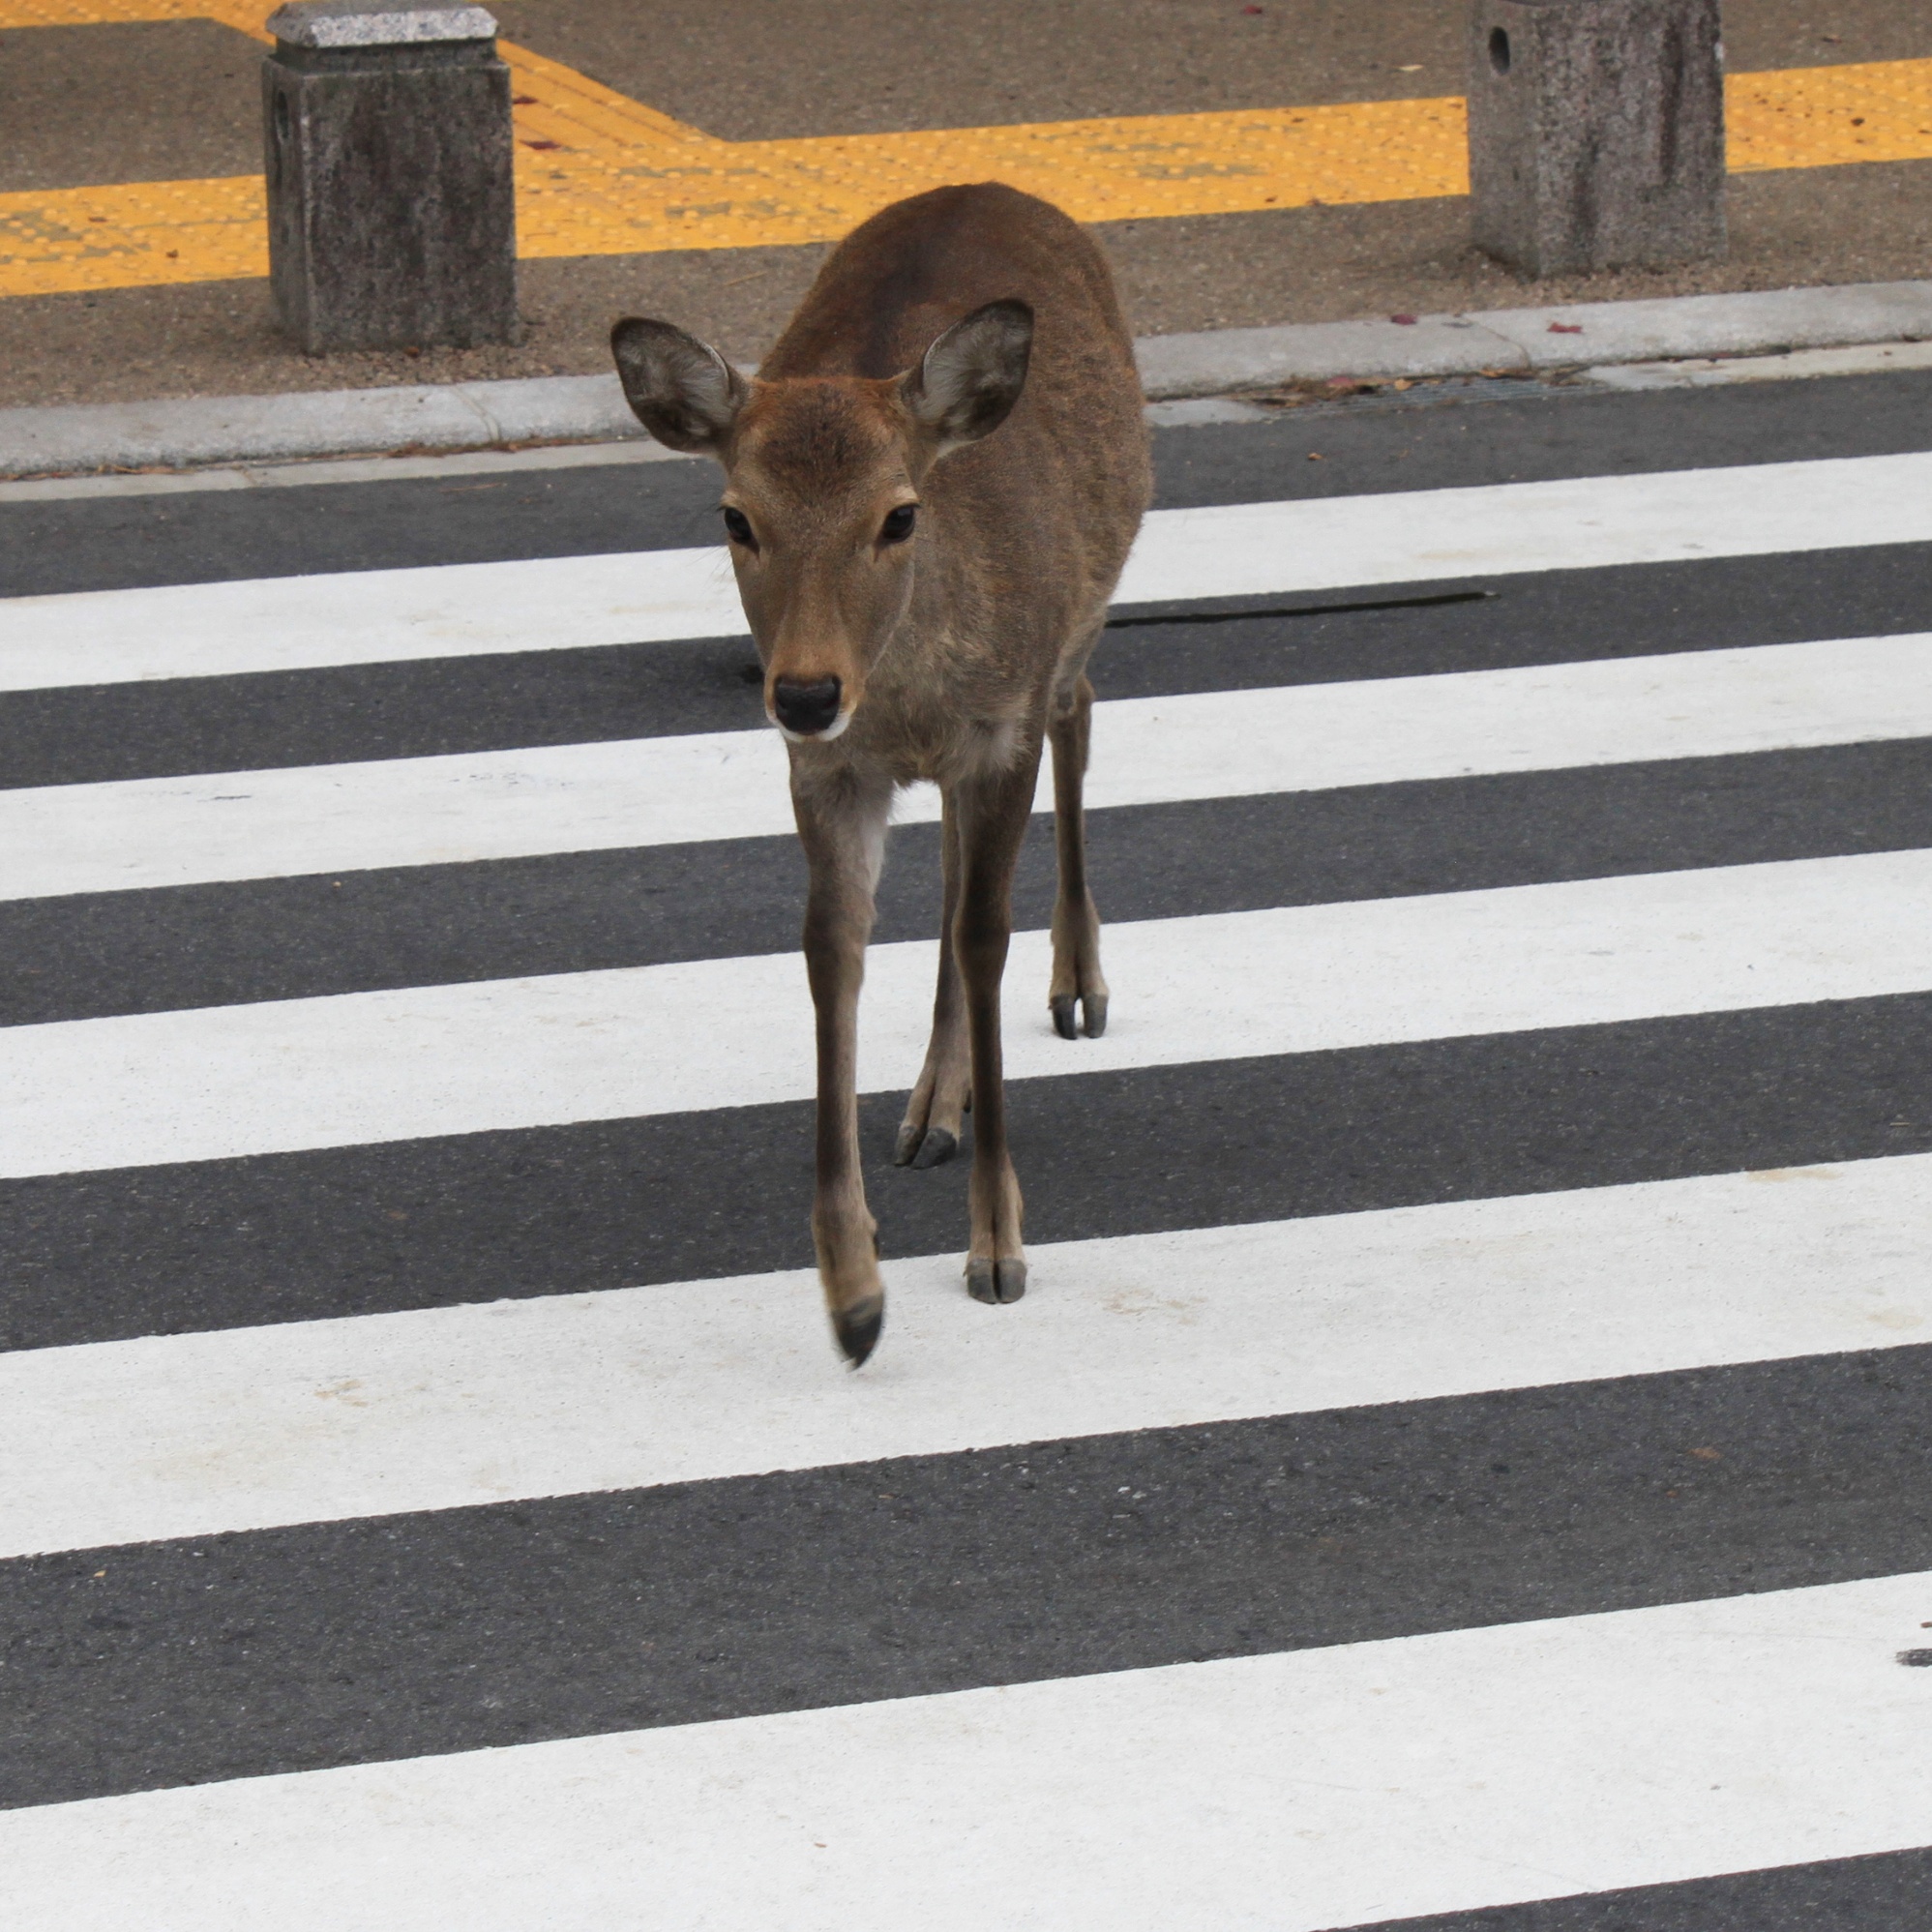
pixel 1596 132
pixel 391 211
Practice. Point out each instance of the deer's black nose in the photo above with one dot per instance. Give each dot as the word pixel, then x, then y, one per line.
pixel 806 708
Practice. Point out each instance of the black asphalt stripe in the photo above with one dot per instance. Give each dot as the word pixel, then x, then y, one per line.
pixel 1889 1892
pixel 338 714
pixel 288 938
pixel 328 1644
pixel 1544 435
pixel 344 714
pixel 468 1218
pixel 119 542
pixel 104 543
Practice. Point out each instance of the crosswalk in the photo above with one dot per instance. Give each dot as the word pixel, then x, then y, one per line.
pixel 1465 1446
pixel 125 834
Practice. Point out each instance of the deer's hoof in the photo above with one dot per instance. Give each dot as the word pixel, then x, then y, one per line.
pixel 997 1282
pixel 924 1147
pixel 1064 1024
pixel 857 1327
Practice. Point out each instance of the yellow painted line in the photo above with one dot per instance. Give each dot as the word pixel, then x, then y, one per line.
pixel 601 174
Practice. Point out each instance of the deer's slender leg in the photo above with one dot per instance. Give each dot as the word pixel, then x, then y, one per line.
pixel 842 824
pixel 1077 978
pixel 993 813
pixel 934 1114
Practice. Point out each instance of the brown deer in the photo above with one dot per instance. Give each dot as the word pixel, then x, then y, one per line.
pixel 931 488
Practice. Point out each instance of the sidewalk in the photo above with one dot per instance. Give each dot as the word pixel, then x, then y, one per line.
pixel 173 101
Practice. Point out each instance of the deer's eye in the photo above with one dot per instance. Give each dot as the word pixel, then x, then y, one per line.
pixel 738 527
pixel 897 524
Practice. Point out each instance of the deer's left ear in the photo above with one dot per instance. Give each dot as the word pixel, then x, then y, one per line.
pixel 681 390
pixel 968 382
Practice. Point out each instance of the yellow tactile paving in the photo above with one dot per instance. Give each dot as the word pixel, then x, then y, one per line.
pixel 736 194
pixel 553 103
pixel 600 174
pixel 133 236
pixel 1825 116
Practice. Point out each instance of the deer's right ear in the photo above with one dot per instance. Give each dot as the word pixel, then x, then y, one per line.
pixel 681 390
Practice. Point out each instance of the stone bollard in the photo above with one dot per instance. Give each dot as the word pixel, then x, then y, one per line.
pixel 1596 132
pixel 391 215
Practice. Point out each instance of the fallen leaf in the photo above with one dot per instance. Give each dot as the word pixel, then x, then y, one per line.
pixel 1566 328
pixel 543 146
pixel 1315 456
pixel 1708 1455
pixel 1407 321
pixel 1403 382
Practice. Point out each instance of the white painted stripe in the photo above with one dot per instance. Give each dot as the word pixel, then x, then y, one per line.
pixel 1496 530
pixel 296 624
pixel 1284 1794
pixel 191 1435
pixel 1503 529
pixel 141 833
pixel 219 1080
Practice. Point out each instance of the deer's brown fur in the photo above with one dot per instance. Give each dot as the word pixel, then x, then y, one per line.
pixel 962 352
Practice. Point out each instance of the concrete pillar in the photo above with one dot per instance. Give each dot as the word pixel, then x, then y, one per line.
pixel 1596 132
pixel 391 215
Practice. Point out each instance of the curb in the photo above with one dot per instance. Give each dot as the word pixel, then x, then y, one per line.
pixel 1572 336
pixel 191 431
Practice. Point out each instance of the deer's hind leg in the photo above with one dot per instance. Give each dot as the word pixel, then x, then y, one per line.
pixel 934 1114
pixel 1077 978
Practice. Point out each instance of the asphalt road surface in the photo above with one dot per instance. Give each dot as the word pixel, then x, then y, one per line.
pixel 1462 1461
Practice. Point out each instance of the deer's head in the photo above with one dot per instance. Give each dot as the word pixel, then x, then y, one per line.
pixel 822 477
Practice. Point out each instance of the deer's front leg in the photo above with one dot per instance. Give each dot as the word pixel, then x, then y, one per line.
pixel 993 816
pixel 842 823
pixel 936 1112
